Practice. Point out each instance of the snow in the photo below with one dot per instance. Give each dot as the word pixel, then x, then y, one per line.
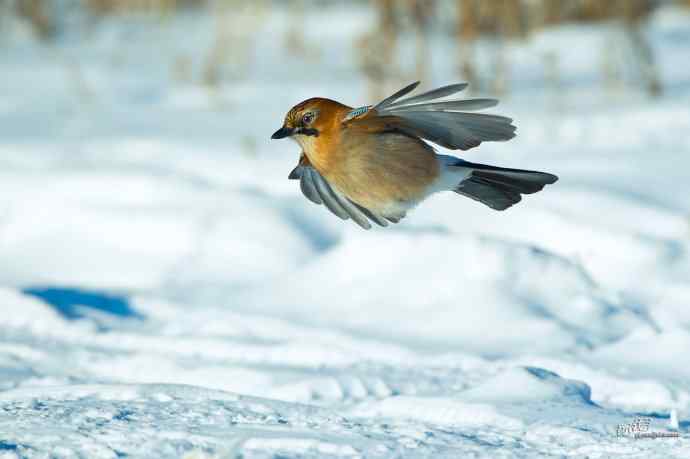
pixel 167 292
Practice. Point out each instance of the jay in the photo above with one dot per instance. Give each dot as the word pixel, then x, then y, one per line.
pixel 373 163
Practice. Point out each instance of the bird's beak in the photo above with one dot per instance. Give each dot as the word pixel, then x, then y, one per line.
pixel 282 133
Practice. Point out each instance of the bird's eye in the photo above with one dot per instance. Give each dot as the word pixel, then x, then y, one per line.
pixel 308 118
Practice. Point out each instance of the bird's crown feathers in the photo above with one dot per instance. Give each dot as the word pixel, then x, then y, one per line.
pixel 320 107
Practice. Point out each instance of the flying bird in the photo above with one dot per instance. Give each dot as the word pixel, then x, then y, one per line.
pixel 373 163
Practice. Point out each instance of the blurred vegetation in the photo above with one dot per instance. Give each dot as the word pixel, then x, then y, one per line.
pixel 498 22
pixel 469 22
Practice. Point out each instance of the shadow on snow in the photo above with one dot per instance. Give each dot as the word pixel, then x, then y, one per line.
pixel 71 302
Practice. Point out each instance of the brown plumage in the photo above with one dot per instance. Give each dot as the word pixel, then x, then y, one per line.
pixel 372 164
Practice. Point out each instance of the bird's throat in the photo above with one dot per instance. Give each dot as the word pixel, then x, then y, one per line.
pixel 307 142
pixel 315 147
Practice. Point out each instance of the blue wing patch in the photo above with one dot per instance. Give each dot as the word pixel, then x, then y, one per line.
pixel 357 112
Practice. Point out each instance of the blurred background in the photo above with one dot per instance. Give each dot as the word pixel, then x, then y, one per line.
pixel 216 45
pixel 191 89
pixel 148 232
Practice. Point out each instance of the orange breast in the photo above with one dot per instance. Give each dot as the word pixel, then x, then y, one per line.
pixel 323 150
pixel 383 170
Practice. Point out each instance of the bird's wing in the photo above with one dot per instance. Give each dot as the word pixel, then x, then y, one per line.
pixel 297 171
pixel 446 123
pixel 317 189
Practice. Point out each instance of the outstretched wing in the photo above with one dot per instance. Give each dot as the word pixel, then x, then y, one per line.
pixel 446 123
pixel 317 189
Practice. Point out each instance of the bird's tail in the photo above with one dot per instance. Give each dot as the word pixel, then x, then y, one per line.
pixel 498 187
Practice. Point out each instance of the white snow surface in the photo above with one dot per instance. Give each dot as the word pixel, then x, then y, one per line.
pixel 253 323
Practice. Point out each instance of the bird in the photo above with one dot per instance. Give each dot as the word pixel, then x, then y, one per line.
pixel 374 163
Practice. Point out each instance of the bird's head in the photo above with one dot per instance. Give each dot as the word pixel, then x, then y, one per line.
pixel 309 119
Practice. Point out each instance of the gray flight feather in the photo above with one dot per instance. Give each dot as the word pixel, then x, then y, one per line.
pixel 327 196
pixel 446 123
pixel 457 130
pixel 448 135
pixel 389 100
pixel 317 189
pixel 343 203
pixel 447 106
pixel 350 207
pixel 376 218
pixel 296 173
pixel 434 94
pixel 307 185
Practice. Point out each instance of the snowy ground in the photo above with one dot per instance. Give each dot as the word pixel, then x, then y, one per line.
pixel 167 292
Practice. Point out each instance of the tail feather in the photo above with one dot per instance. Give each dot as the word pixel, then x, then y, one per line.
pixel 499 187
